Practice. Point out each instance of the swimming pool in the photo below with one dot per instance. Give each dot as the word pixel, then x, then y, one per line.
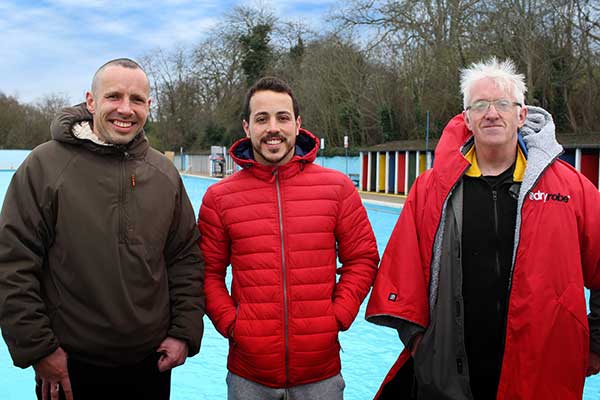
pixel 368 350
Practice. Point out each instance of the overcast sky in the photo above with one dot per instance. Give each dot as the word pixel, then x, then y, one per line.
pixel 55 46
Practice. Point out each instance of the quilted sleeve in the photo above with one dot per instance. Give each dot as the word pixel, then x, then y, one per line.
pixel 215 245
pixel 357 252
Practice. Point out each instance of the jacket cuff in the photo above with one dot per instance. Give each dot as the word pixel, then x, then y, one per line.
pixel 191 333
pixel 192 350
pixel 343 317
pixel 225 325
pixel 407 331
pixel 30 358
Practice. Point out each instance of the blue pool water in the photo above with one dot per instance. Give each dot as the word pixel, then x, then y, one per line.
pixel 368 350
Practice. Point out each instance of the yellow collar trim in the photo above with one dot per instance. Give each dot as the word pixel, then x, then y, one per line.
pixel 474 170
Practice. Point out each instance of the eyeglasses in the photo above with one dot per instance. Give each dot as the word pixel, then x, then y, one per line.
pixel 501 105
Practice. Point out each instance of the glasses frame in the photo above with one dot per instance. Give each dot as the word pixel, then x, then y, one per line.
pixel 490 103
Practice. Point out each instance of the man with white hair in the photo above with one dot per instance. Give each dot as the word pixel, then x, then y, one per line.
pixel 484 274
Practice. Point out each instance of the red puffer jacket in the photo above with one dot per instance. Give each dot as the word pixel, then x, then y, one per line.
pixel 558 230
pixel 281 229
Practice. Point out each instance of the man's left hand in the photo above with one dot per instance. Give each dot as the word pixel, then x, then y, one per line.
pixel 593 364
pixel 174 353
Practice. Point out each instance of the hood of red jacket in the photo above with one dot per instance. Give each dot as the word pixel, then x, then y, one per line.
pixel 305 150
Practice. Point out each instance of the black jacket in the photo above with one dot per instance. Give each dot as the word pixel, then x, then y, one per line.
pixel 489 214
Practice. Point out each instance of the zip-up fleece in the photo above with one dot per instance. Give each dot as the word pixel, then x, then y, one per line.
pixel 281 229
pixel 98 251
pixel 547 339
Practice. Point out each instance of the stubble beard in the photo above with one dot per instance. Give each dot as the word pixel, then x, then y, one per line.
pixel 104 132
pixel 269 160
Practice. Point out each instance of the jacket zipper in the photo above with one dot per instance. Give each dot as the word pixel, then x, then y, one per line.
pixel 495 200
pixel 122 195
pixel 284 278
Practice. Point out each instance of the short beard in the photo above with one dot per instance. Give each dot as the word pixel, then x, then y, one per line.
pixel 276 162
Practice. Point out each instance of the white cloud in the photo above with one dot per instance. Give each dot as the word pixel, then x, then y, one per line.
pixel 181 32
pixel 102 25
pixel 186 2
pixel 55 46
pixel 93 4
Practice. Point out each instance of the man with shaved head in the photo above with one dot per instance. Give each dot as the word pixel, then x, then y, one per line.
pixel 101 277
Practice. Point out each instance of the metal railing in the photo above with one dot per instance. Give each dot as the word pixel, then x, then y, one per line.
pixel 204 164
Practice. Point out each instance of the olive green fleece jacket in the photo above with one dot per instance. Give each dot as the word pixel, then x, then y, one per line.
pixel 98 251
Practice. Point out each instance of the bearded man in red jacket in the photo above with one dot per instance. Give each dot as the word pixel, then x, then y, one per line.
pixel 281 223
pixel 484 274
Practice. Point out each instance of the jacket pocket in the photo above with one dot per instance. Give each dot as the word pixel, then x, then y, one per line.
pixel 563 358
pixel 332 311
pixel 232 328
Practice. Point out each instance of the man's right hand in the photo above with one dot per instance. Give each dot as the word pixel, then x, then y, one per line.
pixel 53 373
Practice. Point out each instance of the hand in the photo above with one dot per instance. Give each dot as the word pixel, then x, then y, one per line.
pixel 174 353
pixel 52 372
pixel 593 364
pixel 415 343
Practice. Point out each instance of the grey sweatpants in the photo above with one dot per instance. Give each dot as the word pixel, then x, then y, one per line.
pixel 239 388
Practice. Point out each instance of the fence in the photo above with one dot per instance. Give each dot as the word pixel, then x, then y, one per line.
pixel 204 164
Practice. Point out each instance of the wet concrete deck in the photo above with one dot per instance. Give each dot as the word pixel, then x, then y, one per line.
pixel 393 200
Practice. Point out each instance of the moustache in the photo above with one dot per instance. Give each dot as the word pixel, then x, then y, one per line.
pixel 273 136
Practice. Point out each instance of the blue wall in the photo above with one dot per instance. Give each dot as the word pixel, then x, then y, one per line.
pixel 11 159
pixel 339 163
